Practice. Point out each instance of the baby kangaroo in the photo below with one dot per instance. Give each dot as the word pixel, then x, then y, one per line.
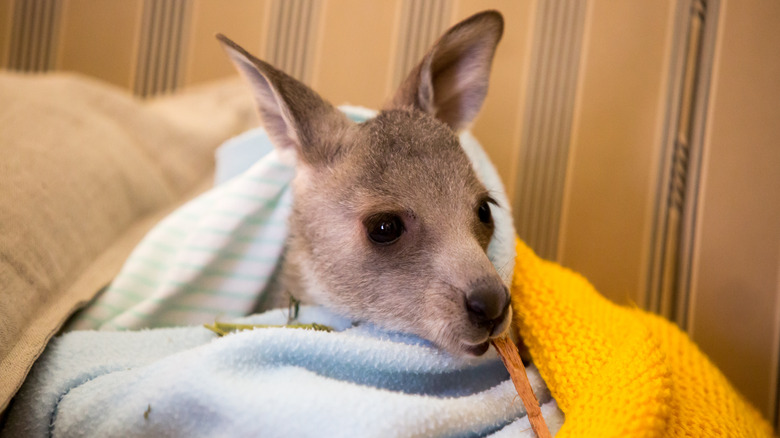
pixel 390 224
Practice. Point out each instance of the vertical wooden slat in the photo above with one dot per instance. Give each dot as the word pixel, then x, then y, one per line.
pixel 291 37
pixel 572 55
pixel 298 39
pixel 668 287
pixel 304 49
pixel 153 48
pixel 31 35
pixel 298 30
pixel 537 230
pixel 174 46
pixel 182 31
pixel 549 111
pixel 162 46
pixel 11 34
pixel 24 40
pixel 284 36
pixel 144 43
pixel 411 37
pixel 45 36
pixel 6 26
pixel 574 51
pixel 13 44
pixel 53 24
pixel 422 41
pixel 421 24
pixel 531 143
pixel 34 37
pixel 20 30
pixel 274 23
pixel 150 87
pixel 402 43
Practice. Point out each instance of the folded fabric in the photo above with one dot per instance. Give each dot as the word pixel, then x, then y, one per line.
pixel 619 371
pixel 218 256
pixel 355 381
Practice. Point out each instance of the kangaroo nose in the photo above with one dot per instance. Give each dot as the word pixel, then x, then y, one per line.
pixel 487 306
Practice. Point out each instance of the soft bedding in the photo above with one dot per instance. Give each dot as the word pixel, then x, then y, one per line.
pixel 216 258
pixel 356 381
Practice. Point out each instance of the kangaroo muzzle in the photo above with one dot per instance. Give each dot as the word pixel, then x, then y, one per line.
pixel 487 305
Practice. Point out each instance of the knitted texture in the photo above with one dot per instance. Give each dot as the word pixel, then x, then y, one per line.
pixel 619 371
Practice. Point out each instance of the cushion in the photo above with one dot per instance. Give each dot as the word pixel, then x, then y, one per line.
pixel 86 170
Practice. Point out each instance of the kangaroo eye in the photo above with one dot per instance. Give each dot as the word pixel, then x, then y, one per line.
pixel 483 212
pixel 384 228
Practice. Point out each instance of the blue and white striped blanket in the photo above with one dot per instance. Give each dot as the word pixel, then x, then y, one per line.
pixel 215 259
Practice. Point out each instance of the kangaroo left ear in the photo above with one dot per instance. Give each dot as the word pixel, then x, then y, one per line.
pixel 451 82
pixel 293 114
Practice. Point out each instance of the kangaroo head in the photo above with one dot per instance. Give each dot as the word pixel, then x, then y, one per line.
pixel 390 224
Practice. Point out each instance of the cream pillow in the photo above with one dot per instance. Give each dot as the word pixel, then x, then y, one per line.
pixel 85 171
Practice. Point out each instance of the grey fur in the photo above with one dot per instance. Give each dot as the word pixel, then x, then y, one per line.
pixel 405 161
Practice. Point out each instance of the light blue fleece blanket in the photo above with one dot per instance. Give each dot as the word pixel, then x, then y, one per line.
pixel 195 267
pixel 271 382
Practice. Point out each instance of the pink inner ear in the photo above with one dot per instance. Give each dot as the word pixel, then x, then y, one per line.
pixel 293 115
pixel 273 112
pixel 277 120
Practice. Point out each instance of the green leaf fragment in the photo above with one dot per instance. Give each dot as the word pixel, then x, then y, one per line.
pixel 223 328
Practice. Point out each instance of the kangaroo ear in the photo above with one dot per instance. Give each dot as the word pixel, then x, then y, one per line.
pixel 452 80
pixel 293 115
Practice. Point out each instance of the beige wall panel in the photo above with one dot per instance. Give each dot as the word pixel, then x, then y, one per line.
pixel 613 161
pixel 6 14
pixel 353 62
pixel 244 21
pixel 499 124
pixel 100 39
pixel 735 292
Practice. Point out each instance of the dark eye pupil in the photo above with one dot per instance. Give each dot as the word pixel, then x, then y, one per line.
pixel 484 213
pixel 384 228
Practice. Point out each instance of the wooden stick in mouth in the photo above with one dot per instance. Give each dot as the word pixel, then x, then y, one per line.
pixel 507 351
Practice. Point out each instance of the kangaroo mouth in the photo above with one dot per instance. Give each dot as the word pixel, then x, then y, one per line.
pixel 479 348
pixel 476 349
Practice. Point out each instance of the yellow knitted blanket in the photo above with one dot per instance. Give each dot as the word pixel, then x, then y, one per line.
pixel 618 371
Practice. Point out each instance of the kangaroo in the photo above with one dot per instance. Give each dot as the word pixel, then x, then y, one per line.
pixel 390 224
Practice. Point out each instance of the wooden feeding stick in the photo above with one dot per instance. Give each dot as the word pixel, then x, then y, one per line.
pixel 507 350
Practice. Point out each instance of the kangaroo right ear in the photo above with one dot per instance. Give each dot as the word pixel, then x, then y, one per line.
pixel 293 115
pixel 451 82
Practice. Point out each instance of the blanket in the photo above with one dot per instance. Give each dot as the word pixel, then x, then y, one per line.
pixel 355 381
pixel 619 371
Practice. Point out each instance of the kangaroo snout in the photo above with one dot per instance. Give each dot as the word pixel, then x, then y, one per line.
pixel 487 305
pixel 488 313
